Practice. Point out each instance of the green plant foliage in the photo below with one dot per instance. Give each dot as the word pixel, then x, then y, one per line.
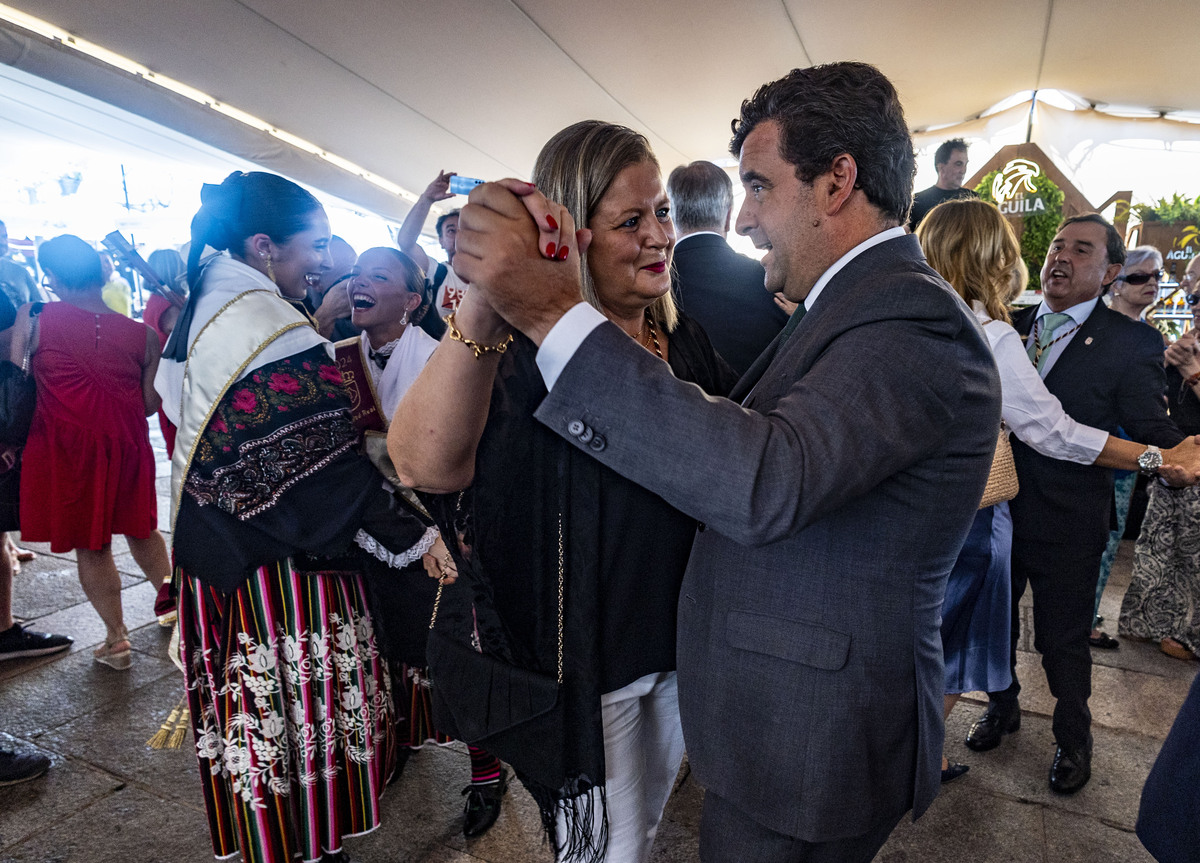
pixel 1179 208
pixel 1039 228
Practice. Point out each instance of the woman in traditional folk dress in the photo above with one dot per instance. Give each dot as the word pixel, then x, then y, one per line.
pixel 289 697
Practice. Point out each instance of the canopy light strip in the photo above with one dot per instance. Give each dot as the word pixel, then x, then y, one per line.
pixel 111 58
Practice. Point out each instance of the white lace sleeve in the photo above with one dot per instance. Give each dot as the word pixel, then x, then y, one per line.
pixel 396 561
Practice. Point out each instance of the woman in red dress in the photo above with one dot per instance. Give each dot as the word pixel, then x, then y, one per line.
pixel 88 470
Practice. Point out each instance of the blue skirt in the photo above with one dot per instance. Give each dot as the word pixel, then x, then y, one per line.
pixel 977 610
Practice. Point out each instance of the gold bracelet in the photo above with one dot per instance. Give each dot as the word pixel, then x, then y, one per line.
pixel 454 333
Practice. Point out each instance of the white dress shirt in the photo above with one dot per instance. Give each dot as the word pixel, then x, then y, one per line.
pixel 1033 413
pixel 568 333
pixel 1078 313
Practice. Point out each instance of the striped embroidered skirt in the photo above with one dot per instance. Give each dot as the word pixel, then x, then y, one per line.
pixel 291 710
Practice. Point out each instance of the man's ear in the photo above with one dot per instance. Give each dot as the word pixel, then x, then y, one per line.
pixel 837 184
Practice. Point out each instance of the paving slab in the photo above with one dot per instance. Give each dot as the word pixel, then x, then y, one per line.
pixel 32 808
pixel 964 818
pixel 423 817
pixel 1079 839
pixel 1020 767
pixel 126 825
pixel 54 694
pixel 124 726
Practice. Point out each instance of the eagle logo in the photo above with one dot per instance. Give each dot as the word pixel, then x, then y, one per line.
pixel 1016 177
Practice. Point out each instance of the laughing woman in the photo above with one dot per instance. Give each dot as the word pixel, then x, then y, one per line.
pixel 289 697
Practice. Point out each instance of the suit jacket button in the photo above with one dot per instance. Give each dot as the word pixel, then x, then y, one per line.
pixel 587 435
pixel 598 443
pixel 575 428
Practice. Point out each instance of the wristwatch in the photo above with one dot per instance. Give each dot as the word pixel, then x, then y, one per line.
pixel 1150 461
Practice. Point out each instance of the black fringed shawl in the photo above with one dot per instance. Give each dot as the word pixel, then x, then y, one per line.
pixel 505 602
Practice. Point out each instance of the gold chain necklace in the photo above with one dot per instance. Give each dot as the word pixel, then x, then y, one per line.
pixel 650 343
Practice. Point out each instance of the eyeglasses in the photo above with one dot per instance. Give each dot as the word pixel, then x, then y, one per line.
pixel 1141 278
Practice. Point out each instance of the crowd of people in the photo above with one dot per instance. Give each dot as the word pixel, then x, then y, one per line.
pixel 588 495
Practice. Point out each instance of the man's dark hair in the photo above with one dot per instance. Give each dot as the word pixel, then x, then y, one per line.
pixel 946 148
pixel 1113 243
pixel 701 195
pixel 442 220
pixel 825 111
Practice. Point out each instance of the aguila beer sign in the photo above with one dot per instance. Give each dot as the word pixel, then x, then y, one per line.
pixel 1014 189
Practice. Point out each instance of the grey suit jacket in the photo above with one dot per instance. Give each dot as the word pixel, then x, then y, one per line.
pixel 835 503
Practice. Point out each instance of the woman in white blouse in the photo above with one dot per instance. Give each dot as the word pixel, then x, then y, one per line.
pixel 975 250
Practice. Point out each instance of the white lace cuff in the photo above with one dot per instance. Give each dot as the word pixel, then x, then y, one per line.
pixel 396 561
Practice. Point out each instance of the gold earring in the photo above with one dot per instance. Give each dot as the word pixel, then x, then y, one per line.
pixel 270 269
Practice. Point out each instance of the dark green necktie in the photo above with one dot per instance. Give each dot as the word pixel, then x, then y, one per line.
pixel 790 326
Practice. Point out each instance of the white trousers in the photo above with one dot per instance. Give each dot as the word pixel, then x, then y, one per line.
pixel 643 747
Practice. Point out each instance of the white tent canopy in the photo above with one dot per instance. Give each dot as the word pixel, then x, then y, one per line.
pixel 476 86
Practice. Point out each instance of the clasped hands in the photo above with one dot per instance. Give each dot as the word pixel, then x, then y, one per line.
pixel 1181 463
pixel 520 251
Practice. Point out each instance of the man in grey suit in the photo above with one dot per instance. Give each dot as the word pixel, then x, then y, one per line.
pixel 722 290
pixel 834 498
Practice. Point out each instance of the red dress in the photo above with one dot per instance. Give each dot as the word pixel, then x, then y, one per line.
pixel 87 470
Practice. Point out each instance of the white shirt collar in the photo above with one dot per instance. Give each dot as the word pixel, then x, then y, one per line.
pixel 1079 312
pixel 699 234
pixel 881 237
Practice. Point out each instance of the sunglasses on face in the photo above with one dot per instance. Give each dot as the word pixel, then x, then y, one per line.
pixel 1141 278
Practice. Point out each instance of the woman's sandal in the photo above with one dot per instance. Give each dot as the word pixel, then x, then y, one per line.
pixel 1176 649
pixel 116 653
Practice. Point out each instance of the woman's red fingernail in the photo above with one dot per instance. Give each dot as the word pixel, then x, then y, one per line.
pixel 550 248
pixel 563 252
pixel 550 221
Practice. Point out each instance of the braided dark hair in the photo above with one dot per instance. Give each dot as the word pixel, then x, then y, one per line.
pixel 245 204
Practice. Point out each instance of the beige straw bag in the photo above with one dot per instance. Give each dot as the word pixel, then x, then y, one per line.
pixel 1002 478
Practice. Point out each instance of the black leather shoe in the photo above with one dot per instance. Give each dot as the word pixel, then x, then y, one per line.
pixel 1069 773
pixel 985 734
pixel 953 772
pixel 483 806
pixel 1104 641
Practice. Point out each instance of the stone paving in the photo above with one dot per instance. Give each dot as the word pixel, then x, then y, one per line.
pixel 110 798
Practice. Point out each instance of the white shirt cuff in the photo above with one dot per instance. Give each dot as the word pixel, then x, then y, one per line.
pixel 564 340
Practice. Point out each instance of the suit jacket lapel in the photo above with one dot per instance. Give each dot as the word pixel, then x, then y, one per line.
pixel 1077 351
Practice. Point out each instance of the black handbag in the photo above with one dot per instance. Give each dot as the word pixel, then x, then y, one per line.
pixel 514 713
pixel 18 392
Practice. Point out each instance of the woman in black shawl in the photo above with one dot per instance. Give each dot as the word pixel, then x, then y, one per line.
pixel 565 567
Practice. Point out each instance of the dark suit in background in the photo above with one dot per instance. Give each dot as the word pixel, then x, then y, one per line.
pixel 723 291
pixel 1109 375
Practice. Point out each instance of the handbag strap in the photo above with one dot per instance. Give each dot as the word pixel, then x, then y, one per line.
pixel 561 592
pixel 34 310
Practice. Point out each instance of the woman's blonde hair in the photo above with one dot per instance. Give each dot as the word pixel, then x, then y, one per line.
pixel 576 168
pixel 975 250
